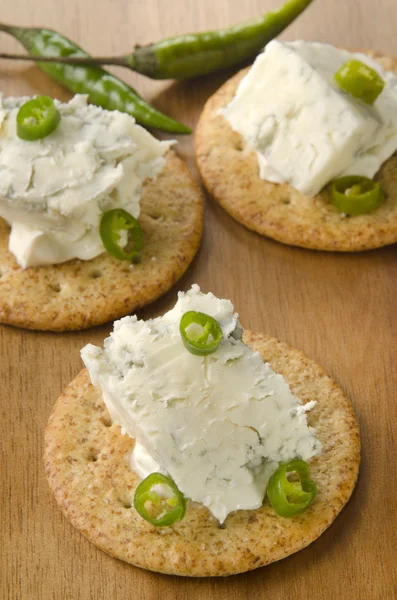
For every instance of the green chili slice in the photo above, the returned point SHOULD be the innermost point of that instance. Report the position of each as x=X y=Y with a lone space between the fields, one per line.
x=289 y=498
x=37 y=118
x=158 y=500
x=355 y=195
x=360 y=81
x=114 y=221
x=200 y=333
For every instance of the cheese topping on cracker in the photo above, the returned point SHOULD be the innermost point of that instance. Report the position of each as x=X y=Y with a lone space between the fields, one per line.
x=219 y=424
x=54 y=191
x=305 y=129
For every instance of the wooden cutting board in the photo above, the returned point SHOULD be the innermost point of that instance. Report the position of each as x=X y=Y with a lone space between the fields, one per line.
x=339 y=309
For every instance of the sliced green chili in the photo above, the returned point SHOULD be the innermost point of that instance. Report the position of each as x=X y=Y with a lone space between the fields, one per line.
x=201 y=334
x=162 y=506
x=356 y=195
x=37 y=118
x=360 y=81
x=289 y=498
x=114 y=221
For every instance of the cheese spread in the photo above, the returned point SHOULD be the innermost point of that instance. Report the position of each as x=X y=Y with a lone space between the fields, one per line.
x=218 y=425
x=306 y=130
x=53 y=191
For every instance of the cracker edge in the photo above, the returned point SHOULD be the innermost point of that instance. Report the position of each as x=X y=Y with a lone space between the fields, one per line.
x=271 y=231
x=256 y=342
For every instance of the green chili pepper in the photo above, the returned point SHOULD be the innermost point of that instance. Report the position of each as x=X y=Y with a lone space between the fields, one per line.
x=360 y=81
x=37 y=118
x=164 y=506
x=355 y=195
x=201 y=334
x=187 y=56
x=114 y=221
x=103 y=88
x=289 y=498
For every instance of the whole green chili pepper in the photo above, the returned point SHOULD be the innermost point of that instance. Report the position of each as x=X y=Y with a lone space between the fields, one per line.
x=187 y=56
x=103 y=88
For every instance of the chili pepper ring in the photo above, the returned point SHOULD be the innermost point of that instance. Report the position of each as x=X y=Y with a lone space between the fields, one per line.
x=355 y=195
x=37 y=118
x=289 y=498
x=114 y=221
x=360 y=81
x=165 y=509
x=201 y=333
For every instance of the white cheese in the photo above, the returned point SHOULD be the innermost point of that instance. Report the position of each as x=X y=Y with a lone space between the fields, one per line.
x=218 y=425
x=305 y=130
x=53 y=191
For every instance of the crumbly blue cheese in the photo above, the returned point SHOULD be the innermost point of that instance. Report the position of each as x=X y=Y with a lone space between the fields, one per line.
x=305 y=129
x=218 y=425
x=53 y=191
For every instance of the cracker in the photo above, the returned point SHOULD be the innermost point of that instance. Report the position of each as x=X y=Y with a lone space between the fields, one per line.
x=86 y=461
x=230 y=173
x=80 y=294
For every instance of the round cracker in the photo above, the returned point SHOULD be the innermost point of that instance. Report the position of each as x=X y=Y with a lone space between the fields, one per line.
x=86 y=461
x=80 y=294
x=231 y=174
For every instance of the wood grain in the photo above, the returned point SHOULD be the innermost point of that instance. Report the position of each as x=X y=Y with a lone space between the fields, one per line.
x=339 y=309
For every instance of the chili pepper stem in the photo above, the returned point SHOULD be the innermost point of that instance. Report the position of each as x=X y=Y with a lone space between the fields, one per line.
x=119 y=61
x=69 y=60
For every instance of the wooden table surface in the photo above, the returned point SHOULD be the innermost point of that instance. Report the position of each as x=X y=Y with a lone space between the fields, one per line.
x=340 y=309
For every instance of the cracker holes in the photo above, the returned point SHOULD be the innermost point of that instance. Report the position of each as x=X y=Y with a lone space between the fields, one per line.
x=125 y=502
x=55 y=287
x=285 y=201
x=96 y=274
x=93 y=456
x=106 y=421
x=155 y=217
x=238 y=145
